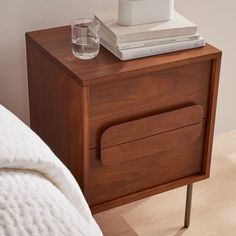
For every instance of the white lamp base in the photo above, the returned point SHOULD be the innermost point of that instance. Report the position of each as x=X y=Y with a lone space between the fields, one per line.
x=135 y=12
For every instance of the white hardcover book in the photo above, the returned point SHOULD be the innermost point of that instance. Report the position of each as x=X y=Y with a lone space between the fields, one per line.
x=134 y=53
x=178 y=26
x=148 y=43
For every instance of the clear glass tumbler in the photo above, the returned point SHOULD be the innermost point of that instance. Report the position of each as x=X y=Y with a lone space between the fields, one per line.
x=85 y=38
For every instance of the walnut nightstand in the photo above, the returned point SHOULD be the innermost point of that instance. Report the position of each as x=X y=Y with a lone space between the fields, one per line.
x=126 y=130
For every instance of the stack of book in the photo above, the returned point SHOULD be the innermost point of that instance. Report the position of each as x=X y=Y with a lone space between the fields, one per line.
x=130 y=42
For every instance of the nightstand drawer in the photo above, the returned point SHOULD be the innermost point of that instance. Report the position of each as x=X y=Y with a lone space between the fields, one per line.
x=141 y=154
x=148 y=94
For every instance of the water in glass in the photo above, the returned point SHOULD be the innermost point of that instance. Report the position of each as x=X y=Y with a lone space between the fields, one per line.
x=85 y=47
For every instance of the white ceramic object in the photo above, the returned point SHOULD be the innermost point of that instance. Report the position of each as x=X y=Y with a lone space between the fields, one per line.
x=135 y=12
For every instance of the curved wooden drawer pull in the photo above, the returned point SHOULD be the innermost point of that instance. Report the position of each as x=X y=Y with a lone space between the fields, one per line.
x=147 y=136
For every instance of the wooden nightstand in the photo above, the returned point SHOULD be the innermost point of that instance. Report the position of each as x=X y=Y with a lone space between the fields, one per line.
x=126 y=130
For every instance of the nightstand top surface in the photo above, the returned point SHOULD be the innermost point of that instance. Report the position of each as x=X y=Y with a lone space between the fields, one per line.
x=56 y=44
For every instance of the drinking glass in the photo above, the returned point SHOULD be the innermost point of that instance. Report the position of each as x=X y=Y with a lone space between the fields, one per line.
x=85 y=38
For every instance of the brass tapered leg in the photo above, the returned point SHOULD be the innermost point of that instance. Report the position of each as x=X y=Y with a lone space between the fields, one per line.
x=188 y=205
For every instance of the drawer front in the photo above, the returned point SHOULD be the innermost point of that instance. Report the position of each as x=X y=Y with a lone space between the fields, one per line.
x=163 y=163
x=132 y=98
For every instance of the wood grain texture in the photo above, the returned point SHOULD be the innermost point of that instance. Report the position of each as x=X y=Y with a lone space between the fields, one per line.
x=85 y=141
x=34 y=84
x=58 y=112
x=56 y=44
x=151 y=125
x=115 y=181
x=215 y=76
x=147 y=193
x=151 y=145
x=137 y=97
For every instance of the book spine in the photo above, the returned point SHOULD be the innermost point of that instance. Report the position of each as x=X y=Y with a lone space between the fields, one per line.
x=160 y=49
x=105 y=30
x=149 y=43
x=113 y=50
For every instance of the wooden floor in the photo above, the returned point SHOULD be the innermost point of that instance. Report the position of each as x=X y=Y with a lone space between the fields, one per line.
x=213 y=210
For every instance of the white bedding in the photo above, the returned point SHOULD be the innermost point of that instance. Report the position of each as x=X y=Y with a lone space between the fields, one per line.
x=38 y=194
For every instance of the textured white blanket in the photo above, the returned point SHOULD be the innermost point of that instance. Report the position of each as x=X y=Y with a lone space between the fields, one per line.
x=38 y=194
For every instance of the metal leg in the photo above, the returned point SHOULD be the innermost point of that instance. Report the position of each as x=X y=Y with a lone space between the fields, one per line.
x=188 y=205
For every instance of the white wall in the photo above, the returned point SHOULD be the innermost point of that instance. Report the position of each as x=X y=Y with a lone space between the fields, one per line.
x=217 y=23
x=214 y=17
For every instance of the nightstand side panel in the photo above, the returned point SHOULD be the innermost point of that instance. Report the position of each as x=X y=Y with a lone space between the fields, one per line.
x=58 y=111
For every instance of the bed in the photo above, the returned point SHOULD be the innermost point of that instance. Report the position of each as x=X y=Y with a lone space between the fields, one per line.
x=38 y=194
